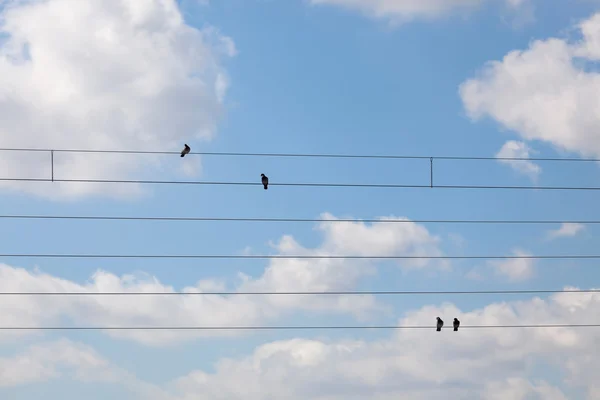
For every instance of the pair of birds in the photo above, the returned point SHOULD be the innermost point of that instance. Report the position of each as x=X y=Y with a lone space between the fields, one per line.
x=264 y=178
x=440 y=323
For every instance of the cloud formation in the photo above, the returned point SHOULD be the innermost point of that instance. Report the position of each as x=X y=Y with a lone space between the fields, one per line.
x=547 y=92
x=473 y=363
x=342 y=238
x=489 y=364
x=517 y=149
x=515 y=269
x=406 y=10
x=49 y=361
x=566 y=230
x=64 y=359
x=104 y=74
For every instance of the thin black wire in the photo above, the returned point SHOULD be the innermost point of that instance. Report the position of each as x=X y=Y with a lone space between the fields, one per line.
x=306 y=155
x=337 y=293
x=224 y=219
x=348 y=185
x=277 y=256
x=279 y=328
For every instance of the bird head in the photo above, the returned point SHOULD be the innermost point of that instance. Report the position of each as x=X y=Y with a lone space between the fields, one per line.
x=263 y=175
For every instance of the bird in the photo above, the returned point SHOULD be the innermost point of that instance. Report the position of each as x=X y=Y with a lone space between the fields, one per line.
x=456 y=324
x=265 y=181
x=185 y=151
x=440 y=323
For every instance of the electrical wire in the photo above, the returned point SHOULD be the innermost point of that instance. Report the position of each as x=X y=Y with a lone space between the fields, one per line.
x=336 y=293
x=278 y=256
x=279 y=328
x=304 y=155
x=312 y=220
x=354 y=185
x=300 y=184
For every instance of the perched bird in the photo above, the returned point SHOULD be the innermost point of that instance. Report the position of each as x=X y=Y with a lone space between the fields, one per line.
x=185 y=151
x=456 y=324
x=265 y=181
x=440 y=323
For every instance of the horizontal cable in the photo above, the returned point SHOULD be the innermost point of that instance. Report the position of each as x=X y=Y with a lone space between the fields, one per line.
x=280 y=328
x=338 y=293
x=240 y=219
x=305 y=155
x=278 y=256
x=348 y=185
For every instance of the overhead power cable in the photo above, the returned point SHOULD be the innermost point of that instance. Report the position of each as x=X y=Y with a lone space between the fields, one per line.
x=312 y=220
x=335 y=293
x=279 y=328
x=279 y=256
x=303 y=155
x=305 y=184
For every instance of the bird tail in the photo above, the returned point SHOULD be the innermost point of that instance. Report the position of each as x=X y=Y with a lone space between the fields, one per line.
x=438 y=329
x=266 y=186
x=455 y=328
x=182 y=155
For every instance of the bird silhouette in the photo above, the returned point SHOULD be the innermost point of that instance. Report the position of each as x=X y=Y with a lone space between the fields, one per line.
x=185 y=150
x=456 y=324
x=265 y=181
x=440 y=323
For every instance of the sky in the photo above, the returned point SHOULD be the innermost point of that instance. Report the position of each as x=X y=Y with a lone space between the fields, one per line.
x=493 y=78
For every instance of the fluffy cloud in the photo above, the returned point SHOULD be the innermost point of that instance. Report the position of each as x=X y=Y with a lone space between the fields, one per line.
x=515 y=269
x=104 y=74
x=350 y=239
x=405 y=10
x=522 y=389
x=516 y=149
x=65 y=359
x=547 y=92
x=48 y=361
x=566 y=230
x=486 y=364
x=345 y=238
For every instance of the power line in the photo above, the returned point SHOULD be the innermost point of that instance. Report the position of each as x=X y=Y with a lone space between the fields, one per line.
x=278 y=256
x=318 y=220
x=304 y=155
x=302 y=184
x=279 y=328
x=336 y=293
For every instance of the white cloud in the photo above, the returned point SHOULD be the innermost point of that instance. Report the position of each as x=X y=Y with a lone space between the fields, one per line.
x=489 y=364
x=344 y=238
x=349 y=239
x=516 y=3
x=515 y=269
x=478 y=363
x=547 y=92
x=522 y=389
x=41 y=363
x=566 y=230
x=516 y=149
x=65 y=359
x=406 y=10
x=104 y=74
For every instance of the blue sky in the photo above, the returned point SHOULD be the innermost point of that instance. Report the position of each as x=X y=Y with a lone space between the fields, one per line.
x=304 y=78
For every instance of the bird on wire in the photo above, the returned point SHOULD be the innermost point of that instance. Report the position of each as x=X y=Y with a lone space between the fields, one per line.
x=456 y=324
x=185 y=150
x=440 y=323
x=265 y=181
